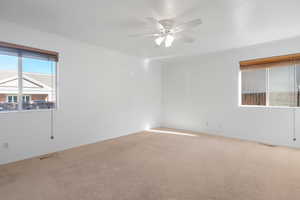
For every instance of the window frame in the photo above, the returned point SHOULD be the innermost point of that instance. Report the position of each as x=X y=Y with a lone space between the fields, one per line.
x=274 y=59
x=20 y=49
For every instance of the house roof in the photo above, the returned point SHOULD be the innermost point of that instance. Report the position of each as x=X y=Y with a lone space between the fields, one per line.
x=38 y=78
x=7 y=74
x=45 y=79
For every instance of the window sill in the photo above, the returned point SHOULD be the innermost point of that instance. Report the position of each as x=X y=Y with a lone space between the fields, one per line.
x=28 y=111
x=268 y=107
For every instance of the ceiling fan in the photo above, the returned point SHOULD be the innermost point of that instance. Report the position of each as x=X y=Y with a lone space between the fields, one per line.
x=168 y=31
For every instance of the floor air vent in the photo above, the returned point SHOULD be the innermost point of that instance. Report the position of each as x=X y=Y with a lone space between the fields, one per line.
x=48 y=156
x=268 y=145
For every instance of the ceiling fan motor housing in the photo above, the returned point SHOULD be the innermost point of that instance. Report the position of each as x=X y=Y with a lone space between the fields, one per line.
x=168 y=24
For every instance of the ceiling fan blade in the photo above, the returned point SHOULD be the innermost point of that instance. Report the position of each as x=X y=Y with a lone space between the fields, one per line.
x=160 y=40
x=188 y=25
x=155 y=22
x=145 y=35
x=186 y=38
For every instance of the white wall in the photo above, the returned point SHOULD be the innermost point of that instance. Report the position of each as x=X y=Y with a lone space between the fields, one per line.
x=201 y=93
x=102 y=94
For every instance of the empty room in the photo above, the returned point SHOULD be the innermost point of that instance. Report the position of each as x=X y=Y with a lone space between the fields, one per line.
x=149 y=100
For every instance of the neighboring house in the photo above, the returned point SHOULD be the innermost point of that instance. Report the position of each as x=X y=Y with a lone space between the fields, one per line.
x=36 y=87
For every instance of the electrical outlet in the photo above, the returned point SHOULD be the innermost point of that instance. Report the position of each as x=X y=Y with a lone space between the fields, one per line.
x=206 y=124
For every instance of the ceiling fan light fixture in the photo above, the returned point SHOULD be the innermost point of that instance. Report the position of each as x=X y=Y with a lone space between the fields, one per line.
x=169 y=41
x=159 y=40
x=167 y=29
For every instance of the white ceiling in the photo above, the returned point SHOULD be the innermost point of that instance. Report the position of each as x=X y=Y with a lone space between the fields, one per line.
x=226 y=23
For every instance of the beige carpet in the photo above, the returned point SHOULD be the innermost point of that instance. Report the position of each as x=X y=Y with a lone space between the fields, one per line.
x=154 y=166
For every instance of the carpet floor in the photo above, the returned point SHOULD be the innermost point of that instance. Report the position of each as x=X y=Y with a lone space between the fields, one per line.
x=158 y=166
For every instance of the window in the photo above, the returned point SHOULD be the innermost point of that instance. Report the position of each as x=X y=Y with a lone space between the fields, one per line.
x=271 y=81
x=12 y=99
x=26 y=99
x=27 y=78
x=254 y=87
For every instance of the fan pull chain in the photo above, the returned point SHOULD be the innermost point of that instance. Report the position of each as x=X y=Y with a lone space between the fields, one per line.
x=52 y=109
x=294 y=125
x=294 y=109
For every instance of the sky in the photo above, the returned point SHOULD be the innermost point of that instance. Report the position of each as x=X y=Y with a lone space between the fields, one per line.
x=29 y=65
